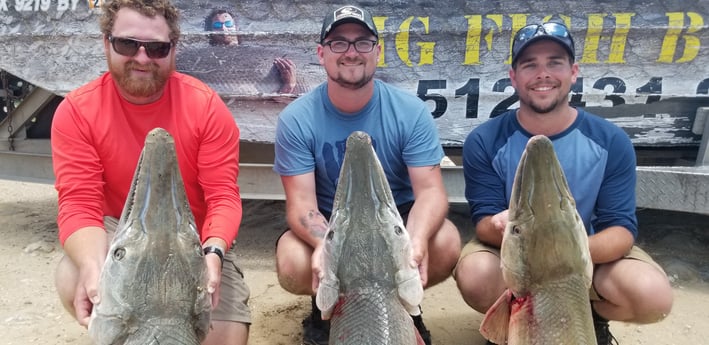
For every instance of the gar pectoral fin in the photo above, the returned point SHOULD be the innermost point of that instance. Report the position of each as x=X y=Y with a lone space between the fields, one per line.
x=410 y=290
x=329 y=288
x=495 y=325
x=327 y=296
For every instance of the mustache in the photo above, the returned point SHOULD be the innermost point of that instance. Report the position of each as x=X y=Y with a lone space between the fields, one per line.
x=545 y=83
x=133 y=65
x=351 y=59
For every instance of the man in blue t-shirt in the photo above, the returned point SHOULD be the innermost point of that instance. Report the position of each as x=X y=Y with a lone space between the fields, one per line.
x=598 y=160
x=310 y=146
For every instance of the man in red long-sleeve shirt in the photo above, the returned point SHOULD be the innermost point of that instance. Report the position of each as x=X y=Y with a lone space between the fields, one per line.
x=98 y=133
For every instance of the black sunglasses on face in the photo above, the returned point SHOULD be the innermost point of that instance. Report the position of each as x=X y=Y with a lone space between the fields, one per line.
x=528 y=32
x=129 y=47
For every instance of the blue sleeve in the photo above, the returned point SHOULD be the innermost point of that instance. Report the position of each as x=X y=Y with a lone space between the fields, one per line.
x=293 y=152
x=616 y=198
x=424 y=147
x=405 y=127
x=484 y=187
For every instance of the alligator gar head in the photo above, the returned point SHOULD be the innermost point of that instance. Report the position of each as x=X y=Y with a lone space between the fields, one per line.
x=153 y=283
x=545 y=259
x=368 y=285
x=544 y=226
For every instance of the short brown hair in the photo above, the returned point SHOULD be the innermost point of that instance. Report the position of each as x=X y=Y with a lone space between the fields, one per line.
x=149 y=8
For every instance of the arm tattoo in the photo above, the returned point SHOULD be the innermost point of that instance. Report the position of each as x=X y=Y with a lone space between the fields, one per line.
x=315 y=222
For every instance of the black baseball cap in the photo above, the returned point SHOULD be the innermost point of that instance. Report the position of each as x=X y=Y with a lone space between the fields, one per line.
x=530 y=34
x=347 y=14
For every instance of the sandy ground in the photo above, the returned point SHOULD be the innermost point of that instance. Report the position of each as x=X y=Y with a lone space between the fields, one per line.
x=30 y=313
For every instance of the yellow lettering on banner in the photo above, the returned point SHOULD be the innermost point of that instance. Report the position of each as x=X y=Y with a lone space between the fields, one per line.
x=380 y=24
x=473 y=40
x=675 y=26
x=692 y=42
x=426 y=47
x=669 y=43
x=593 y=37
x=401 y=43
x=497 y=18
x=518 y=21
x=620 y=37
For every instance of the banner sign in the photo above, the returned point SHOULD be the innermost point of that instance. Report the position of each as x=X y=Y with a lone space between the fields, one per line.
x=643 y=64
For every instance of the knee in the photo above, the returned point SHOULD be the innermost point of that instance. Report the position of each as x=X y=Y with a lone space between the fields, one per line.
x=285 y=253
x=479 y=280
x=447 y=245
x=643 y=293
x=293 y=265
x=291 y=279
x=284 y=266
x=444 y=251
x=470 y=271
x=653 y=298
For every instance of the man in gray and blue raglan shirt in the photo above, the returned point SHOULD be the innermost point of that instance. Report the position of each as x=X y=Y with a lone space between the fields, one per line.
x=598 y=160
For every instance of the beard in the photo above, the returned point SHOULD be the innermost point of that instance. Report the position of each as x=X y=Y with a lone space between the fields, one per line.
x=140 y=87
x=544 y=106
x=543 y=109
x=351 y=81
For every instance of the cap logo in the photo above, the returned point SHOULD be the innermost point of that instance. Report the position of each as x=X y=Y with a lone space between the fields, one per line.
x=349 y=12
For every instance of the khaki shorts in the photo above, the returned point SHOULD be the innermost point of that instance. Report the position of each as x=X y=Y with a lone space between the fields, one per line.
x=233 y=292
x=636 y=253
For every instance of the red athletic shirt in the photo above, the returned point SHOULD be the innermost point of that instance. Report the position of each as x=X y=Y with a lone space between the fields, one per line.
x=97 y=138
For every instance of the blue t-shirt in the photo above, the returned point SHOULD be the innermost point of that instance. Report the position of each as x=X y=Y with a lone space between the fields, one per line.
x=311 y=135
x=597 y=157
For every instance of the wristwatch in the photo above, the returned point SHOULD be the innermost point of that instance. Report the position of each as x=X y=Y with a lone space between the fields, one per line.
x=215 y=250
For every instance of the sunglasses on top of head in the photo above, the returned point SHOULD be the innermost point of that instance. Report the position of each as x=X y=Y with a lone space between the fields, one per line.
x=528 y=32
x=129 y=47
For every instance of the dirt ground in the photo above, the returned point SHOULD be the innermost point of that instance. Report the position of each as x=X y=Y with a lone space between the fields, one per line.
x=30 y=312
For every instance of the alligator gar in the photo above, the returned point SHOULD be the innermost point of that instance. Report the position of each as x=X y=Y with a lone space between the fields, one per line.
x=545 y=260
x=153 y=283
x=369 y=288
x=246 y=70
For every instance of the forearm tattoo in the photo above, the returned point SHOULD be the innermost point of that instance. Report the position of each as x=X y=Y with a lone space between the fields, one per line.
x=315 y=222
